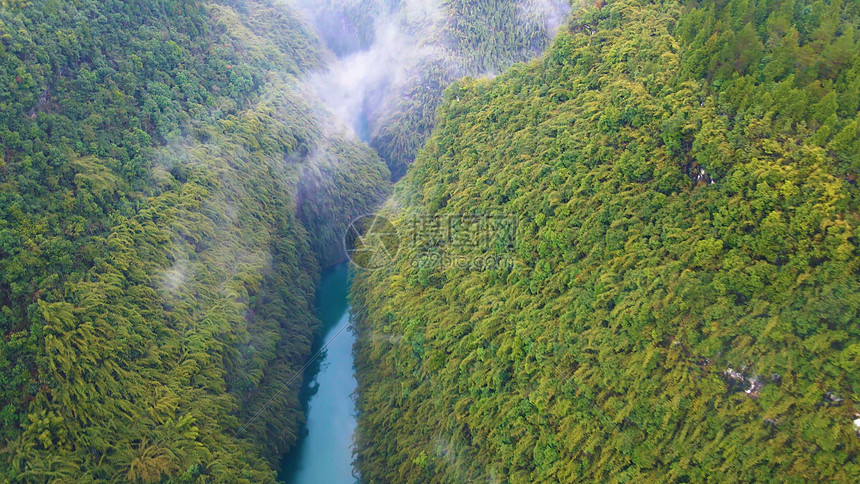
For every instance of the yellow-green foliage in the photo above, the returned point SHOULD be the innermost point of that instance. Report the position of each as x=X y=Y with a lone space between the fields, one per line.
x=156 y=271
x=686 y=297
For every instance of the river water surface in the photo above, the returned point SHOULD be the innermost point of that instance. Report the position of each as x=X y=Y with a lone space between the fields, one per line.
x=324 y=453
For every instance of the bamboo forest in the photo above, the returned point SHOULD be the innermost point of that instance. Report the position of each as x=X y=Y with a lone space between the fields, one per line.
x=429 y=241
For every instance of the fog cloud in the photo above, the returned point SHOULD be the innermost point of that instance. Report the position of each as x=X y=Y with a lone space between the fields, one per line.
x=550 y=13
x=382 y=45
x=356 y=85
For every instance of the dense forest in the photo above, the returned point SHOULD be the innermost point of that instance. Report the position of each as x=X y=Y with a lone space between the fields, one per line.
x=660 y=282
x=168 y=193
x=684 y=294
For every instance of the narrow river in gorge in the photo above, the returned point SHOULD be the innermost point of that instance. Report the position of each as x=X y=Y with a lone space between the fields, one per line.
x=324 y=453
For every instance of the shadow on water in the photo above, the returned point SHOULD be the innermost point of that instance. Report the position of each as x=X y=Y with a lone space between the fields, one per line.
x=323 y=453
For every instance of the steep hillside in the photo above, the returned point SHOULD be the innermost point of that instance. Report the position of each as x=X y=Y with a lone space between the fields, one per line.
x=683 y=296
x=162 y=201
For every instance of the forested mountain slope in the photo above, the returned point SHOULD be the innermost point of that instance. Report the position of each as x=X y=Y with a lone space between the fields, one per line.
x=167 y=195
x=684 y=304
